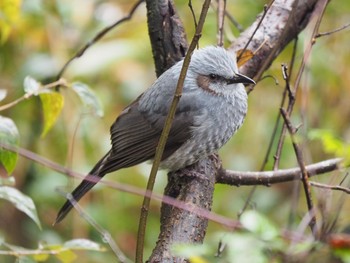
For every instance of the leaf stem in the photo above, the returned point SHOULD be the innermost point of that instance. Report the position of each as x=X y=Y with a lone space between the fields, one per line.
x=60 y=82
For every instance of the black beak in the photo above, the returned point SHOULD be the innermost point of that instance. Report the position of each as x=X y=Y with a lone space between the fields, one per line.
x=239 y=78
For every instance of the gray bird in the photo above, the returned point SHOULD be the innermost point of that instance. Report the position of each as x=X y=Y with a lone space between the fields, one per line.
x=212 y=107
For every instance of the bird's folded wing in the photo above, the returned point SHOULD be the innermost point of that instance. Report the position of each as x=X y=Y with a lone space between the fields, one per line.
x=135 y=136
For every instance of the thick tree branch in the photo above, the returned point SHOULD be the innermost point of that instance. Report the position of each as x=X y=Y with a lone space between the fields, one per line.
x=167 y=126
x=178 y=225
x=273 y=177
x=180 y=187
x=168 y=37
x=284 y=20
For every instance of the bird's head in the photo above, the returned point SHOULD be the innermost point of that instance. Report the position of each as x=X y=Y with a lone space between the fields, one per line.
x=215 y=71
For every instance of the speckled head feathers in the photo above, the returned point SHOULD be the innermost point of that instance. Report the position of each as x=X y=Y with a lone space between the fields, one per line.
x=214 y=60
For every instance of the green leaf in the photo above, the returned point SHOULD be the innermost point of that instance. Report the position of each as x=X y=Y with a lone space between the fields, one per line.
x=23 y=259
x=331 y=144
x=66 y=256
x=88 y=98
x=259 y=224
x=8 y=135
x=31 y=85
x=52 y=103
x=20 y=201
x=40 y=257
x=343 y=254
x=83 y=244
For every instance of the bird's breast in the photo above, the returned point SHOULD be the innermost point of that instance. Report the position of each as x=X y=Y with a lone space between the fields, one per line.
x=214 y=124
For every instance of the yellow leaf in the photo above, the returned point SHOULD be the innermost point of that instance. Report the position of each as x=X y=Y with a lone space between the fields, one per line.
x=52 y=103
x=66 y=256
x=197 y=259
x=41 y=257
x=243 y=57
x=9 y=15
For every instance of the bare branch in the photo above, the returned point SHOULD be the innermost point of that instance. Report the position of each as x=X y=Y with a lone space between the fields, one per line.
x=234 y=21
x=266 y=8
x=305 y=176
x=193 y=14
x=333 y=31
x=60 y=82
x=331 y=187
x=291 y=96
x=319 y=11
x=282 y=23
x=104 y=234
x=274 y=177
x=221 y=19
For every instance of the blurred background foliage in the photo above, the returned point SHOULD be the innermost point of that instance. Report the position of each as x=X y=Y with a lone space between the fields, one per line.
x=38 y=37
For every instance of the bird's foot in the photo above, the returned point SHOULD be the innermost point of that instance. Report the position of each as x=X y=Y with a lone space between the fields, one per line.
x=190 y=172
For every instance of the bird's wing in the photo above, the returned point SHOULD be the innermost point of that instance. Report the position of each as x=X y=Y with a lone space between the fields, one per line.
x=135 y=136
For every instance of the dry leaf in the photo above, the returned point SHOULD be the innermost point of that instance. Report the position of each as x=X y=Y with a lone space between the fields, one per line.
x=243 y=57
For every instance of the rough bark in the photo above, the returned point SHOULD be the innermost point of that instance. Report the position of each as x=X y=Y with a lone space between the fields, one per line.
x=274 y=177
x=168 y=38
x=178 y=225
x=283 y=22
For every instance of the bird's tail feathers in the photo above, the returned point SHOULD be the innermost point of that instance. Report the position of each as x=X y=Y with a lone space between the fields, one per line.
x=90 y=180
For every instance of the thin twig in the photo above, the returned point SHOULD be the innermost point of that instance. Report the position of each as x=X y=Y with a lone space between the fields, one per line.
x=320 y=11
x=98 y=37
x=194 y=17
x=331 y=187
x=287 y=78
x=291 y=96
x=272 y=77
x=229 y=17
x=193 y=14
x=269 y=148
x=165 y=133
x=266 y=8
x=15 y=102
x=287 y=87
x=234 y=21
x=60 y=82
x=221 y=19
x=105 y=235
x=305 y=176
x=277 y=46
x=332 y=31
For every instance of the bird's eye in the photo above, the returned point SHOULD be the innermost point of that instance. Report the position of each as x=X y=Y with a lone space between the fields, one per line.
x=213 y=76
